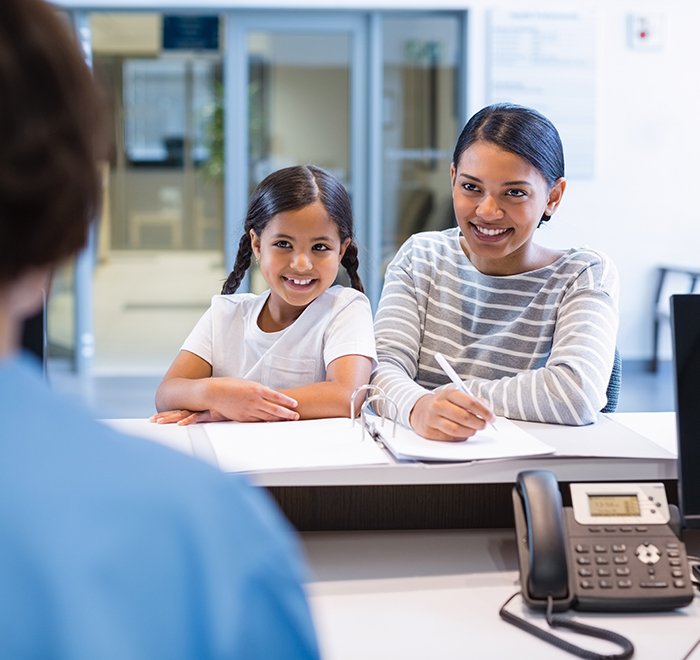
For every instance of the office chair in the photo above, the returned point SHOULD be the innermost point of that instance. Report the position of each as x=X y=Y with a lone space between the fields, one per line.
x=614 y=384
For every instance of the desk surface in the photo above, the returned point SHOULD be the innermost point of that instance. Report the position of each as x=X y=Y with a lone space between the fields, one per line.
x=436 y=594
x=623 y=446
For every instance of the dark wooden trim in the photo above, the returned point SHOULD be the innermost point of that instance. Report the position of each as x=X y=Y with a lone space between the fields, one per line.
x=432 y=506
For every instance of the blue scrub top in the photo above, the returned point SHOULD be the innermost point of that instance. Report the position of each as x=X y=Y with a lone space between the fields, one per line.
x=115 y=547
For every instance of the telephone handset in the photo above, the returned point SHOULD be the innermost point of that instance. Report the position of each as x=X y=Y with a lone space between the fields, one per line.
x=612 y=551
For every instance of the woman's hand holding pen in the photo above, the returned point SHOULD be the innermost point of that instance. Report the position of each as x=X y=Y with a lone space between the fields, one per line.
x=449 y=414
x=235 y=399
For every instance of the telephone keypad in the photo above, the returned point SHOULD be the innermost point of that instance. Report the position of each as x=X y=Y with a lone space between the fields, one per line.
x=647 y=553
x=624 y=584
x=619 y=547
x=629 y=562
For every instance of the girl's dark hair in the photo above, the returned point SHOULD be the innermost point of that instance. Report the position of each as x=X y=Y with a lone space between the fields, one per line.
x=520 y=130
x=289 y=189
x=51 y=137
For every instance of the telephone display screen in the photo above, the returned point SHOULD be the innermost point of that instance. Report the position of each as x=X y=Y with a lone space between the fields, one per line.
x=614 y=505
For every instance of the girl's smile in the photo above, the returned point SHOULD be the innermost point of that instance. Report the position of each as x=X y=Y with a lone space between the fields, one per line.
x=299 y=253
x=298 y=283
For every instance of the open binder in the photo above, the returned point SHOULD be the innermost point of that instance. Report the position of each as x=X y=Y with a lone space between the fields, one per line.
x=502 y=441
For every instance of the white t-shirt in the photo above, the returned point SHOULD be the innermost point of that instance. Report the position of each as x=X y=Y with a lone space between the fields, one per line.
x=339 y=322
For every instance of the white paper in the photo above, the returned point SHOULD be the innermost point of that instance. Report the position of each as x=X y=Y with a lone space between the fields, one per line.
x=329 y=443
x=252 y=447
x=506 y=441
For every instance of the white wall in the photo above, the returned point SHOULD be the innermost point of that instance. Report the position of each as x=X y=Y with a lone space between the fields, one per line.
x=639 y=207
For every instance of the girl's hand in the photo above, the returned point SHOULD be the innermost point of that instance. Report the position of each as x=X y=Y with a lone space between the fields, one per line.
x=235 y=399
x=170 y=416
x=201 y=417
x=186 y=417
x=246 y=401
x=449 y=414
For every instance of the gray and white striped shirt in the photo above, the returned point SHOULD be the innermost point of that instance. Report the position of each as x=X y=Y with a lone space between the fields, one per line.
x=538 y=346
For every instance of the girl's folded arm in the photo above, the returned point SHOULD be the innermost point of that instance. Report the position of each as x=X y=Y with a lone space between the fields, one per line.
x=188 y=386
x=183 y=386
x=331 y=398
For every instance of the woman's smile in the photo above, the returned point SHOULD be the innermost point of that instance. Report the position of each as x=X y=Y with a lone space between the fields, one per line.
x=490 y=234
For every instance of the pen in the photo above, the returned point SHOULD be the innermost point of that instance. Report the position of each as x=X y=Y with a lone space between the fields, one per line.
x=455 y=378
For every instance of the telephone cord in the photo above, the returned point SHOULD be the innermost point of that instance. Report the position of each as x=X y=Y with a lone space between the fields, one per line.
x=578 y=627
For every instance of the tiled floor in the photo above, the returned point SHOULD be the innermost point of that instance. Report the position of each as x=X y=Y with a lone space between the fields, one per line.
x=132 y=396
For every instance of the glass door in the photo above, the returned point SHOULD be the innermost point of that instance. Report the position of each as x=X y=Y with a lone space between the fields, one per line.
x=422 y=115
x=156 y=256
x=295 y=90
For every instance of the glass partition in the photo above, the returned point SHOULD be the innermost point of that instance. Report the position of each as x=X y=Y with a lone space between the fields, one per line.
x=421 y=63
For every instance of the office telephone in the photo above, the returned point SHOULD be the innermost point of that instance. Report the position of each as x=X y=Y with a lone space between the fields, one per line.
x=613 y=550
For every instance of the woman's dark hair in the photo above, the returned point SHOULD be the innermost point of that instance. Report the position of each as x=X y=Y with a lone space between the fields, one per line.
x=49 y=131
x=289 y=189
x=520 y=130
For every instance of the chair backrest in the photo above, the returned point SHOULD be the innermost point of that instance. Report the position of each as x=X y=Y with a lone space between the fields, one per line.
x=614 y=384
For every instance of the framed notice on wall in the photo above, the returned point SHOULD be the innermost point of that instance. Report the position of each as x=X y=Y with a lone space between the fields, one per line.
x=546 y=60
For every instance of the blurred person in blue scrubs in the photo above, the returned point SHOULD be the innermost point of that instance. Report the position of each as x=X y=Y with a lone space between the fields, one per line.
x=110 y=547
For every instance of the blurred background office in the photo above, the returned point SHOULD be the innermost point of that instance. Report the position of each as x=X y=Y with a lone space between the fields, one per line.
x=205 y=99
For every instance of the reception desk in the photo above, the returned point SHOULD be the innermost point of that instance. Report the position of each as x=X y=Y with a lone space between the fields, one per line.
x=410 y=561
x=420 y=495
x=413 y=595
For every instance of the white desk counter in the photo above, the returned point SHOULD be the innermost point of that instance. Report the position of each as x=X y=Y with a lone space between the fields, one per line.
x=436 y=594
x=642 y=439
x=619 y=446
x=645 y=440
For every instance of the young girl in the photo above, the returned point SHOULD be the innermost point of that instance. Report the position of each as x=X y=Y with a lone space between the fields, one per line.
x=298 y=350
x=531 y=330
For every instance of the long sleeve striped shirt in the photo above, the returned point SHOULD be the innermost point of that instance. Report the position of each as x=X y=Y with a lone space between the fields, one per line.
x=537 y=346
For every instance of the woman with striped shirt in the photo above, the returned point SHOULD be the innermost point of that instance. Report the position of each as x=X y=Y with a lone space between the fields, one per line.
x=530 y=329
